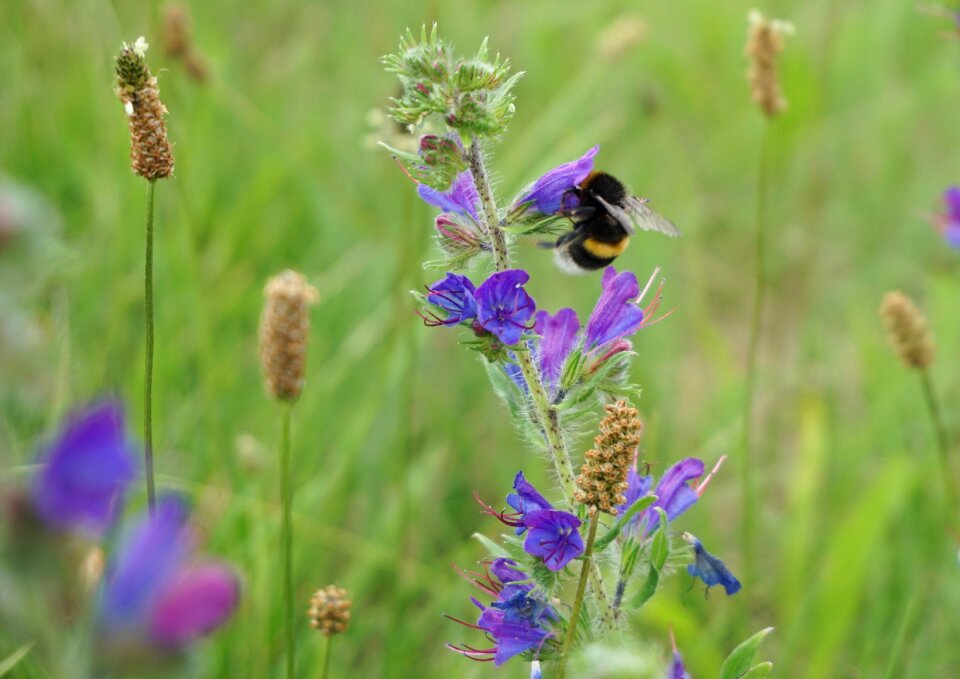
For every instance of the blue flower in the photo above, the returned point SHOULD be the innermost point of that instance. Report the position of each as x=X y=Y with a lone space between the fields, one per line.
x=553 y=537
x=677 y=670
x=85 y=471
x=525 y=499
x=454 y=294
x=154 y=596
x=519 y=620
x=462 y=197
x=674 y=494
x=503 y=307
x=551 y=193
x=616 y=314
x=709 y=568
x=949 y=222
x=558 y=337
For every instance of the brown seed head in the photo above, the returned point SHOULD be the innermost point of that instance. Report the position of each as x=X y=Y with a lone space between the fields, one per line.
x=150 y=153
x=284 y=328
x=603 y=477
x=764 y=43
x=907 y=330
x=329 y=610
x=178 y=40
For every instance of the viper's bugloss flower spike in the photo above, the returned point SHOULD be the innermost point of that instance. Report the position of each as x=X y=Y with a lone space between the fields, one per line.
x=284 y=330
x=674 y=494
x=765 y=41
x=329 y=610
x=151 y=155
x=504 y=307
x=709 y=568
x=907 y=330
x=85 y=471
x=603 y=476
x=155 y=596
x=552 y=192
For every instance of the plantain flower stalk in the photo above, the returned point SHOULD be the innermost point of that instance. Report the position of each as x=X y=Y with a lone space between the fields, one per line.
x=151 y=157
x=284 y=329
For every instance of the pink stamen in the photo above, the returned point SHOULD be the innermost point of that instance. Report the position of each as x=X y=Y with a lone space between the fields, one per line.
x=703 y=484
x=404 y=170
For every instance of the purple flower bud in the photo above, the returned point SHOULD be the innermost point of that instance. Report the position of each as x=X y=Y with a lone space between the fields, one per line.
x=454 y=294
x=674 y=494
x=503 y=306
x=558 y=337
x=615 y=315
x=547 y=194
x=525 y=499
x=462 y=198
x=86 y=471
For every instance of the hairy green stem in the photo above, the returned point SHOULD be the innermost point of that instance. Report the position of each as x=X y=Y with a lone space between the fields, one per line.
x=943 y=448
x=585 y=569
x=148 y=361
x=286 y=500
x=746 y=461
x=547 y=415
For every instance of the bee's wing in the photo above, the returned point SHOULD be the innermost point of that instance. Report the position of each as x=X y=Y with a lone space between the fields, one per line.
x=646 y=219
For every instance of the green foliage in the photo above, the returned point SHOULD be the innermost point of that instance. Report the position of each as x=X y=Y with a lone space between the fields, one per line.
x=740 y=660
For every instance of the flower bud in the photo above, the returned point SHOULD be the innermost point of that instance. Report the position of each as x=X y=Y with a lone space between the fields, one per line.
x=284 y=329
x=907 y=330
x=329 y=610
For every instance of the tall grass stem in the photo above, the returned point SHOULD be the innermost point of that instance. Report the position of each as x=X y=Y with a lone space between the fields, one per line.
x=760 y=289
x=943 y=450
x=148 y=361
x=286 y=500
x=326 y=656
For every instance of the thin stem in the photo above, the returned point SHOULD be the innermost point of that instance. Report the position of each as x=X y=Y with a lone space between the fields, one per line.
x=326 y=657
x=943 y=448
x=286 y=499
x=547 y=415
x=746 y=462
x=148 y=362
x=578 y=601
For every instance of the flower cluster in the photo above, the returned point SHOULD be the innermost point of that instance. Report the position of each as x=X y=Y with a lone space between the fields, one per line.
x=518 y=621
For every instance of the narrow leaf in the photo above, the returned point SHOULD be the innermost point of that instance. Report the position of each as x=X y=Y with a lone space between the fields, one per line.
x=611 y=535
x=738 y=662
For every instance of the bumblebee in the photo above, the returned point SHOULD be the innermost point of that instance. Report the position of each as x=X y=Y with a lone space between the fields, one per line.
x=603 y=221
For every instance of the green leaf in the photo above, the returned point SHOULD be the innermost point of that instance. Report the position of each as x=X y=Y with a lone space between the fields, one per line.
x=491 y=546
x=761 y=670
x=738 y=662
x=660 y=548
x=649 y=588
x=611 y=535
x=12 y=660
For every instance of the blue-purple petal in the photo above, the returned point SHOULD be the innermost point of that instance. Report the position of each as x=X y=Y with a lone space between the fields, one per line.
x=951 y=197
x=553 y=536
x=548 y=192
x=674 y=495
x=198 y=601
x=711 y=570
x=616 y=314
x=85 y=471
x=454 y=294
x=677 y=670
x=504 y=308
x=558 y=337
x=462 y=198
x=506 y=570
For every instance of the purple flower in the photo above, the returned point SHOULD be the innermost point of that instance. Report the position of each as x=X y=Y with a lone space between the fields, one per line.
x=454 y=294
x=503 y=306
x=616 y=314
x=547 y=195
x=949 y=222
x=674 y=494
x=677 y=670
x=86 y=471
x=462 y=197
x=558 y=336
x=553 y=537
x=518 y=620
x=709 y=568
x=154 y=595
x=524 y=500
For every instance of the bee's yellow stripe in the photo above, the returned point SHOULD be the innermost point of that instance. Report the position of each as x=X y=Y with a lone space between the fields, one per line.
x=605 y=250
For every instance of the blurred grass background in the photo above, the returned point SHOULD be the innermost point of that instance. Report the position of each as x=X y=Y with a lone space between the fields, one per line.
x=397 y=425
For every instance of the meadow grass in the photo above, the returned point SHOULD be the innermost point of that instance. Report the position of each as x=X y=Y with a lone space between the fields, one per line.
x=394 y=429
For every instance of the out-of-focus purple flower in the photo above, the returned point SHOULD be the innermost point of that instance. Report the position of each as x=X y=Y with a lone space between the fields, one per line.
x=462 y=197
x=553 y=537
x=709 y=568
x=503 y=306
x=558 y=336
x=518 y=620
x=547 y=195
x=154 y=595
x=674 y=494
x=676 y=669
x=86 y=471
x=949 y=222
x=454 y=294
x=616 y=313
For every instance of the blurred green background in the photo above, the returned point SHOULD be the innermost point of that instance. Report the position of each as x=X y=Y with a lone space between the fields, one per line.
x=397 y=425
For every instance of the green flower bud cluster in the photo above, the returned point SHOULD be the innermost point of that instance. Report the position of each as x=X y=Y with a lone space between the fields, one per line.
x=471 y=96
